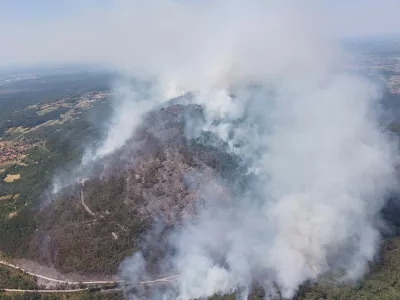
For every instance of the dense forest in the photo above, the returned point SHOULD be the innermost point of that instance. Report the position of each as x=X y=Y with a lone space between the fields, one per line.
x=96 y=244
x=30 y=118
x=63 y=149
x=14 y=279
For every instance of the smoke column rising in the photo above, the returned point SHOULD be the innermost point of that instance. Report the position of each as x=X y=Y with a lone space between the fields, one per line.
x=311 y=135
x=324 y=167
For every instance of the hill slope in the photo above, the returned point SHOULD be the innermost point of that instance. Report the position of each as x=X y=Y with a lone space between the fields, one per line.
x=155 y=175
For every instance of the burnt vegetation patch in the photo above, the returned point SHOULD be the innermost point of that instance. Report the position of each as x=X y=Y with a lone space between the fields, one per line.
x=143 y=183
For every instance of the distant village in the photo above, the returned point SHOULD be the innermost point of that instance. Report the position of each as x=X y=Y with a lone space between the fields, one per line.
x=384 y=64
x=11 y=151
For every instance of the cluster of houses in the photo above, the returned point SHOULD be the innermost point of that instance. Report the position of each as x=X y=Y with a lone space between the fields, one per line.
x=395 y=90
x=8 y=153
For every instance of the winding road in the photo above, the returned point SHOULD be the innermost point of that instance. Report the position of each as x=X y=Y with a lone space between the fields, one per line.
x=67 y=282
x=2 y=262
x=99 y=282
x=43 y=291
x=87 y=208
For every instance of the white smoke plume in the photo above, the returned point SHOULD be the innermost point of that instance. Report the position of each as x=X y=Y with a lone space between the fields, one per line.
x=272 y=86
x=130 y=103
x=325 y=168
x=310 y=133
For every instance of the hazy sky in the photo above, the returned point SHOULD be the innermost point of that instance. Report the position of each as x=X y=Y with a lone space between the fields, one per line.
x=344 y=17
x=31 y=28
x=362 y=17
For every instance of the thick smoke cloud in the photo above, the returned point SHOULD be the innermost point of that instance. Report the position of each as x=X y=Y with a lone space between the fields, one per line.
x=273 y=87
x=324 y=168
x=307 y=130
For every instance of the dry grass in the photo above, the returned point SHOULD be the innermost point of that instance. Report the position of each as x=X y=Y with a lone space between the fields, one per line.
x=13 y=214
x=46 y=110
x=11 y=178
x=21 y=129
x=69 y=115
x=84 y=103
x=2 y=171
x=18 y=129
x=8 y=164
x=47 y=123
x=8 y=197
x=3 y=143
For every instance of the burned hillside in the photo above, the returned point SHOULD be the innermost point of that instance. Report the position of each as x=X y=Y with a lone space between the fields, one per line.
x=158 y=177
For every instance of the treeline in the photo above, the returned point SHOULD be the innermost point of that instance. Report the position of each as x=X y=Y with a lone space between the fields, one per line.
x=84 y=243
x=87 y=295
x=256 y=294
x=49 y=88
x=14 y=279
x=63 y=149
x=30 y=118
x=382 y=282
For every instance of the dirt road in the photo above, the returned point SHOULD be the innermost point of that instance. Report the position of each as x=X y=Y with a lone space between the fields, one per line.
x=43 y=291
x=96 y=282
x=68 y=282
x=165 y=279
x=87 y=208
x=59 y=280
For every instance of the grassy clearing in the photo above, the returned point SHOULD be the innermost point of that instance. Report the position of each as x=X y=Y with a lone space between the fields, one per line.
x=13 y=214
x=8 y=164
x=4 y=143
x=11 y=178
x=15 y=279
x=7 y=197
x=19 y=129
x=46 y=110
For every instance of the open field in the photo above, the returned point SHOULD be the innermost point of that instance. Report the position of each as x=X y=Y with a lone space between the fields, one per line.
x=46 y=110
x=19 y=129
x=7 y=197
x=13 y=214
x=11 y=178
